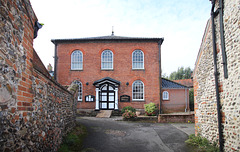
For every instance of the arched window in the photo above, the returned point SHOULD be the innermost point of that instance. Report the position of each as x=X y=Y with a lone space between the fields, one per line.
x=79 y=90
x=107 y=60
x=165 y=95
x=77 y=60
x=138 y=90
x=138 y=59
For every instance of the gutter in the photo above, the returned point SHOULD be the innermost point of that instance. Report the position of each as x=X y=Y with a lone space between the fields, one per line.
x=213 y=14
x=160 y=74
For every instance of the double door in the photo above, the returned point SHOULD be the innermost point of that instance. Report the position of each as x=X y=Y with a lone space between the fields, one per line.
x=107 y=97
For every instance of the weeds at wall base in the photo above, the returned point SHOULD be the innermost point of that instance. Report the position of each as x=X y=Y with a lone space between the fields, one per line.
x=201 y=144
x=74 y=140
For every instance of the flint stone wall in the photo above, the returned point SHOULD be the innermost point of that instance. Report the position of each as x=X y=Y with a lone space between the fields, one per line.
x=206 y=123
x=35 y=111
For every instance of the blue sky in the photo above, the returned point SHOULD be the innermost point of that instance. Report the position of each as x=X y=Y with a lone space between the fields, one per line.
x=180 y=22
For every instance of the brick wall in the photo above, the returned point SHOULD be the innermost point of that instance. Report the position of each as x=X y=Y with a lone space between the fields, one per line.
x=204 y=85
x=176 y=118
x=177 y=101
x=35 y=111
x=122 y=69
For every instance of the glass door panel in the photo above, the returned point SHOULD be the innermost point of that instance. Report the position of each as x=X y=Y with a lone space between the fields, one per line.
x=107 y=97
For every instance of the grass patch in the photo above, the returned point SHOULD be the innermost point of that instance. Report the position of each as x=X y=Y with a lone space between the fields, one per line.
x=74 y=140
x=201 y=144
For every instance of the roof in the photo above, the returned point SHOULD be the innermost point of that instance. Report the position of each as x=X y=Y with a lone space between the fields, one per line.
x=106 y=79
x=107 y=38
x=186 y=82
x=166 y=84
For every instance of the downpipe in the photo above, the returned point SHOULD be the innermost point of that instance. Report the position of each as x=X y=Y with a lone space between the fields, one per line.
x=224 y=57
x=216 y=79
x=186 y=98
x=160 y=74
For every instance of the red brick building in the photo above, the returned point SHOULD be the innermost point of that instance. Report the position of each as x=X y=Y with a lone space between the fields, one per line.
x=175 y=97
x=112 y=71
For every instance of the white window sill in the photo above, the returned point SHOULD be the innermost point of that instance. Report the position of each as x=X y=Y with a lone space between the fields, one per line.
x=138 y=100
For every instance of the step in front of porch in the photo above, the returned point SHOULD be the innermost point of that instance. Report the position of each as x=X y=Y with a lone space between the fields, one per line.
x=104 y=114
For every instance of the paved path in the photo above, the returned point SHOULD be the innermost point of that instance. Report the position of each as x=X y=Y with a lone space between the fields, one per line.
x=109 y=135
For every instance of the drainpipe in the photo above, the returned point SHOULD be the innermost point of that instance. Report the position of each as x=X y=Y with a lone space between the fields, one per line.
x=160 y=74
x=224 y=57
x=186 y=99
x=216 y=78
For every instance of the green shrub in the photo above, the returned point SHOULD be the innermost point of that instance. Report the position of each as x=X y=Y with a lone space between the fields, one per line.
x=150 y=109
x=128 y=108
x=202 y=144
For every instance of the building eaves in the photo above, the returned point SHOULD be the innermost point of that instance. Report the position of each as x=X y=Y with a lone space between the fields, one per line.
x=106 y=38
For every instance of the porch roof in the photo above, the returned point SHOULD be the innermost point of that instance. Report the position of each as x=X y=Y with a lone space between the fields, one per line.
x=106 y=79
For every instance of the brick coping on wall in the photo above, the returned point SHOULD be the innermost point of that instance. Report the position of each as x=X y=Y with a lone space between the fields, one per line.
x=176 y=118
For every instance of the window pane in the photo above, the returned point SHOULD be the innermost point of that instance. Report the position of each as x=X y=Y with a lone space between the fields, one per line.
x=111 y=98
x=79 y=90
x=165 y=95
x=107 y=59
x=111 y=105
x=104 y=98
x=138 y=90
x=137 y=59
x=104 y=105
x=111 y=88
x=104 y=88
x=76 y=60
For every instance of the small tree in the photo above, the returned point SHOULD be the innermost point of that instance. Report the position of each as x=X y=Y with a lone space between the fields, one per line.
x=181 y=73
x=191 y=99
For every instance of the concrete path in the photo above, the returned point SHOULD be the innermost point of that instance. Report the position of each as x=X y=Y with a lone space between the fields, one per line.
x=188 y=128
x=109 y=135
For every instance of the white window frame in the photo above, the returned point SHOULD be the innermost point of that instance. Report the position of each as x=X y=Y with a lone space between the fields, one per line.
x=77 y=55
x=133 y=85
x=165 y=95
x=133 y=56
x=106 y=68
x=80 y=90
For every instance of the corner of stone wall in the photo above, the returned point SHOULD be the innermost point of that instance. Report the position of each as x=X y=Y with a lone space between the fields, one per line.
x=35 y=111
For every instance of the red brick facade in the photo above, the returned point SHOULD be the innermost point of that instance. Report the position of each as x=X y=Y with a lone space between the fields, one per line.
x=178 y=100
x=122 y=67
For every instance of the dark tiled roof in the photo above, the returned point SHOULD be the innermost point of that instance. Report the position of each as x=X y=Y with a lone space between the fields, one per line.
x=171 y=84
x=105 y=38
x=106 y=79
